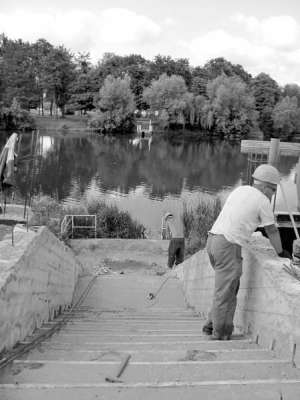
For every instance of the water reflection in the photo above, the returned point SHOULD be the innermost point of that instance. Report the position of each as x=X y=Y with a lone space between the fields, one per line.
x=146 y=177
x=122 y=165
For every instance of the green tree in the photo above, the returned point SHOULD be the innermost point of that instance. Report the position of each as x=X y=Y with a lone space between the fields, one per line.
x=230 y=109
x=17 y=77
x=199 y=107
x=161 y=65
x=168 y=93
x=267 y=93
x=286 y=117
x=83 y=87
x=220 y=66
x=199 y=82
x=15 y=117
x=40 y=50
x=292 y=90
x=169 y=66
x=59 y=73
x=115 y=105
x=135 y=66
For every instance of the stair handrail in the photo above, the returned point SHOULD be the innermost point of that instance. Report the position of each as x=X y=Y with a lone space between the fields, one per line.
x=70 y=220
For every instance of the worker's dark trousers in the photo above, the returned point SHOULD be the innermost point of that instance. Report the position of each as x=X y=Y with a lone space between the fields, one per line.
x=176 y=251
x=225 y=258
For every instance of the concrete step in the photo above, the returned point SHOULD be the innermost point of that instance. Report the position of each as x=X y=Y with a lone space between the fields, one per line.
x=99 y=339
x=98 y=320
x=97 y=317
x=270 y=390
x=131 y=292
x=151 y=355
x=129 y=330
x=149 y=372
x=148 y=310
x=202 y=345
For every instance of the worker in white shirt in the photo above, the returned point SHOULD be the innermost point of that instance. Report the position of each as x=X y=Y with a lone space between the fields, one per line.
x=172 y=229
x=246 y=208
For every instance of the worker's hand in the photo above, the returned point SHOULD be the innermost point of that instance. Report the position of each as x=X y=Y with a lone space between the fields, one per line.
x=285 y=254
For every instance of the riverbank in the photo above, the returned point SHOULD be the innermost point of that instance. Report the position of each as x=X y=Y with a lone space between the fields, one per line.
x=74 y=124
x=70 y=123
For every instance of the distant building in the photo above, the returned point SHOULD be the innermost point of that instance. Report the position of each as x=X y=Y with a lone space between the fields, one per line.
x=144 y=127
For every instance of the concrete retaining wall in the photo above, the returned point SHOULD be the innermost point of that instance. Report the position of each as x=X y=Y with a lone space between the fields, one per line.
x=268 y=300
x=37 y=278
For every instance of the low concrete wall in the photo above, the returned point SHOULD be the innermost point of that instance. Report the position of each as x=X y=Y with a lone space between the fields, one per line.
x=268 y=300
x=37 y=278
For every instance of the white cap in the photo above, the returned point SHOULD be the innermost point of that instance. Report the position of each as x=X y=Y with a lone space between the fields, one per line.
x=267 y=173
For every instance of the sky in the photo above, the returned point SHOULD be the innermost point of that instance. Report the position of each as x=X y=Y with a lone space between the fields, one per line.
x=262 y=36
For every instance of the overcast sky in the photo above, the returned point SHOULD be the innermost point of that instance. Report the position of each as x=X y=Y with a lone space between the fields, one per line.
x=262 y=36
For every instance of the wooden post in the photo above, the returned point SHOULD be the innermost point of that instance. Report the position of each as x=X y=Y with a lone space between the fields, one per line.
x=297 y=181
x=12 y=235
x=274 y=152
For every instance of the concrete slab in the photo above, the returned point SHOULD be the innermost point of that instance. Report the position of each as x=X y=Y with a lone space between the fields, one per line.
x=39 y=355
x=201 y=345
x=238 y=392
x=129 y=292
x=117 y=253
x=149 y=372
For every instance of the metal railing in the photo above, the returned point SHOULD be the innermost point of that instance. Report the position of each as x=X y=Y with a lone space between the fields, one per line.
x=72 y=224
x=254 y=160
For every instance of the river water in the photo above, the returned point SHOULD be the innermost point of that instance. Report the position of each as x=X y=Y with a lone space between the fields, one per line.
x=146 y=178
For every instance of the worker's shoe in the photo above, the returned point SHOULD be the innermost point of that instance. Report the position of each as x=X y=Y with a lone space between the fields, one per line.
x=216 y=337
x=207 y=329
x=220 y=337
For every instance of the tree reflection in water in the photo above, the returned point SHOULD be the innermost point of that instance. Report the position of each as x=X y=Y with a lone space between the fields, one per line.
x=144 y=178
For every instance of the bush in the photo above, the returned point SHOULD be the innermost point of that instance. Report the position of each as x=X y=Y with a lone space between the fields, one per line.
x=15 y=117
x=111 y=223
x=102 y=122
x=198 y=221
x=49 y=212
x=97 y=123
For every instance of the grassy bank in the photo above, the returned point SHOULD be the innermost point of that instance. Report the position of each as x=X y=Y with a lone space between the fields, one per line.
x=198 y=221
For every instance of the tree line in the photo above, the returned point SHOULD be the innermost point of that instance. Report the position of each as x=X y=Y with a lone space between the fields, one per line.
x=219 y=97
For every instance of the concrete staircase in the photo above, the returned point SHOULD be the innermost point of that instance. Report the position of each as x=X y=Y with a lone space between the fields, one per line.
x=170 y=358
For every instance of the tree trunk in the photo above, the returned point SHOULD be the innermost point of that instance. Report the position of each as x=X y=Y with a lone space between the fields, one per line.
x=51 y=107
x=42 y=105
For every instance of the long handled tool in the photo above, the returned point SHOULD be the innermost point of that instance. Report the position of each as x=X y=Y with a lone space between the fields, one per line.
x=289 y=211
x=296 y=243
x=152 y=296
x=123 y=365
